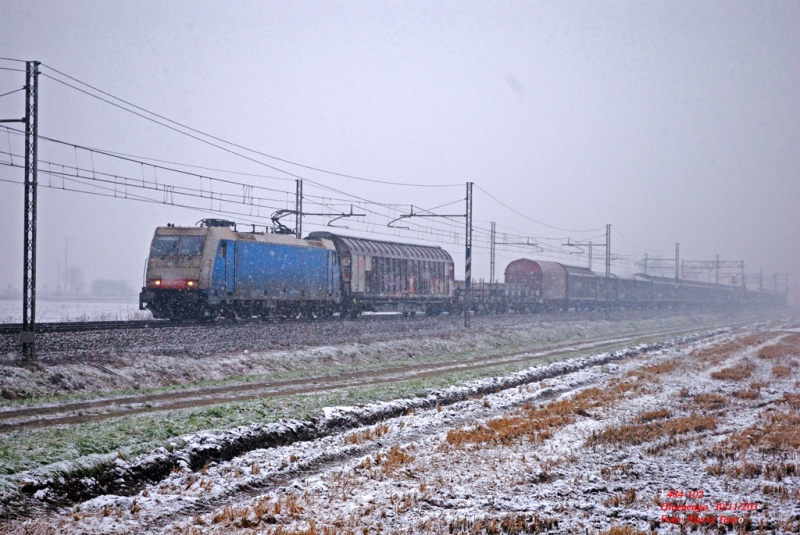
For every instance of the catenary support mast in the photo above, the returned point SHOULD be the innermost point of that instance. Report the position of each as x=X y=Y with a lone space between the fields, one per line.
x=608 y=251
x=677 y=270
x=468 y=259
x=28 y=334
x=298 y=206
x=492 y=254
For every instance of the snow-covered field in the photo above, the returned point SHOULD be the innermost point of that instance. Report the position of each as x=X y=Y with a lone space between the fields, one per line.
x=88 y=310
x=600 y=448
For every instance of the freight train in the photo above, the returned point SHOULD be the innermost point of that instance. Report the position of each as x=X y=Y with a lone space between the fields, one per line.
x=214 y=271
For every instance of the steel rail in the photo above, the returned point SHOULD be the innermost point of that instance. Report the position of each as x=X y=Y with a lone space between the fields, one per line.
x=80 y=326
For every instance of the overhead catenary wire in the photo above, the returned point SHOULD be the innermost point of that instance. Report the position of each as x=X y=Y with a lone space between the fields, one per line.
x=239 y=146
x=441 y=227
x=12 y=92
x=174 y=129
x=147 y=159
x=614 y=229
x=121 y=181
x=97 y=184
x=266 y=155
x=495 y=199
x=134 y=198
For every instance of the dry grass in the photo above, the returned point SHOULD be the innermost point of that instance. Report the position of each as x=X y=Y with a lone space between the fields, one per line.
x=650 y=416
x=710 y=401
x=778 y=491
x=367 y=434
x=623 y=530
x=654 y=369
x=781 y=371
x=715 y=469
x=777 y=472
x=538 y=423
x=717 y=353
x=622 y=469
x=265 y=511
x=777 y=433
x=387 y=463
x=789 y=346
x=745 y=470
x=793 y=400
x=394 y=459
x=625 y=499
x=742 y=371
x=747 y=394
x=634 y=434
x=510 y=524
x=753 y=339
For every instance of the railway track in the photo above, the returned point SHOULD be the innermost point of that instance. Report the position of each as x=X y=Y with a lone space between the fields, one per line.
x=83 y=326
x=78 y=326
x=106 y=408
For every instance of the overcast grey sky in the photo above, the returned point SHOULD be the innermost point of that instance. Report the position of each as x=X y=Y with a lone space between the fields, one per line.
x=672 y=121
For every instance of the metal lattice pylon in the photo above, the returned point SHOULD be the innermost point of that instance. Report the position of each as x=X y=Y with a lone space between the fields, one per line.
x=28 y=334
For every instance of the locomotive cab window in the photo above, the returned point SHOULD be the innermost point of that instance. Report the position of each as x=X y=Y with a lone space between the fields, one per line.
x=165 y=245
x=178 y=245
x=191 y=245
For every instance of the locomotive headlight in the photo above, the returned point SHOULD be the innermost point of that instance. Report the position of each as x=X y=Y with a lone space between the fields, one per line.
x=157 y=282
x=190 y=284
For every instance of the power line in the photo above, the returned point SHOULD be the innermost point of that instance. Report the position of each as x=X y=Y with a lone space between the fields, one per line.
x=131 y=197
x=632 y=242
x=173 y=128
x=142 y=160
x=495 y=199
x=12 y=92
x=148 y=159
x=219 y=196
x=121 y=185
x=131 y=160
x=304 y=166
x=222 y=196
x=253 y=151
x=113 y=193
